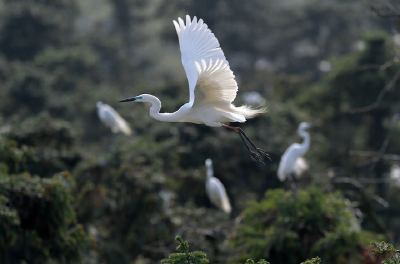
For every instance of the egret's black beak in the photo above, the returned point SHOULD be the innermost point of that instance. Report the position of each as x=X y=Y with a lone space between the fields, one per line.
x=128 y=100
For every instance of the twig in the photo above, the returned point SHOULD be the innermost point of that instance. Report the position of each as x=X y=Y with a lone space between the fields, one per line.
x=365 y=180
x=385 y=142
x=380 y=200
x=393 y=11
x=382 y=93
x=365 y=202
x=360 y=153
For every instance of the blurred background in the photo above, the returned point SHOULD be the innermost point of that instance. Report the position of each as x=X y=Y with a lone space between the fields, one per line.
x=71 y=191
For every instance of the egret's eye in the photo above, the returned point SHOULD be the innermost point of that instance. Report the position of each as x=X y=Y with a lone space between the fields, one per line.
x=138 y=97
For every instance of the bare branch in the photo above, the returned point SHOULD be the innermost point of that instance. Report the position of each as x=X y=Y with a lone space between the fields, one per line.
x=386 y=141
x=390 y=62
x=360 y=153
x=364 y=180
x=380 y=200
x=381 y=94
x=377 y=9
x=365 y=202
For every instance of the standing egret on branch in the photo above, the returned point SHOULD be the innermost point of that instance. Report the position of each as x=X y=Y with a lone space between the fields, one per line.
x=212 y=85
x=110 y=118
x=216 y=190
x=292 y=162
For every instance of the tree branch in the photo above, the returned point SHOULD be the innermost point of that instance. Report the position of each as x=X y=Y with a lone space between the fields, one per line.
x=377 y=9
x=381 y=94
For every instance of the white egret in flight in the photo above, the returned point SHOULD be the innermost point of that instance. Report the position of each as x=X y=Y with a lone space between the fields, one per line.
x=110 y=118
x=216 y=190
x=212 y=85
x=292 y=162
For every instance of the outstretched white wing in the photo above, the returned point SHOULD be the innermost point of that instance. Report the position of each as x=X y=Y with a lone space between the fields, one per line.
x=216 y=83
x=197 y=43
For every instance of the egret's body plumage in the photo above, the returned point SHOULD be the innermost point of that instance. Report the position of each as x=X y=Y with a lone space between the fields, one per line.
x=110 y=118
x=212 y=85
x=292 y=161
x=216 y=190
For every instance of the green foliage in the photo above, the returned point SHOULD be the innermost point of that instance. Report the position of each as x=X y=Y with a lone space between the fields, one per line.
x=9 y=222
x=304 y=226
x=39 y=141
x=37 y=214
x=316 y=260
x=200 y=257
x=28 y=27
x=355 y=82
x=40 y=213
x=386 y=251
x=196 y=257
x=119 y=184
x=250 y=261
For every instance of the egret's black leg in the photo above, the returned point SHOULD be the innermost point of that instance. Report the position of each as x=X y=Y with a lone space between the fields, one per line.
x=257 y=156
x=292 y=184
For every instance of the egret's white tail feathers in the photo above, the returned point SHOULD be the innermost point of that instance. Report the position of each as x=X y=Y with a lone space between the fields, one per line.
x=226 y=205
x=110 y=118
x=281 y=173
x=249 y=112
x=216 y=190
x=123 y=126
x=300 y=167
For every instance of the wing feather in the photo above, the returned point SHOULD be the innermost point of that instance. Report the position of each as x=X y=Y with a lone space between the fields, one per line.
x=216 y=83
x=197 y=43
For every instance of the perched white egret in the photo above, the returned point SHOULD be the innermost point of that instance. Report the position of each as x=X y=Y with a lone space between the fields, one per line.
x=110 y=118
x=212 y=85
x=216 y=190
x=291 y=161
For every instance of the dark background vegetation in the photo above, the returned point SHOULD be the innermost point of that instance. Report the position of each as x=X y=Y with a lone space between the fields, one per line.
x=71 y=191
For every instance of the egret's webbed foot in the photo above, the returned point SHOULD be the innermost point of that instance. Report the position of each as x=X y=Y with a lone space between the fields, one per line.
x=257 y=157
x=263 y=153
x=259 y=154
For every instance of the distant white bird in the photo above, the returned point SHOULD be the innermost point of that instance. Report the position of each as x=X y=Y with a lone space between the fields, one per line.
x=395 y=173
x=253 y=98
x=167 y=197
x=216 y=190
x=212 y=85
x=110 y=118
x=324 y=66
x=291 y=161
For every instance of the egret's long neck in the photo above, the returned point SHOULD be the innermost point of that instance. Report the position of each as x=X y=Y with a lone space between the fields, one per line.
x=155 y=110
x=210 y=172
x=306 y=141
